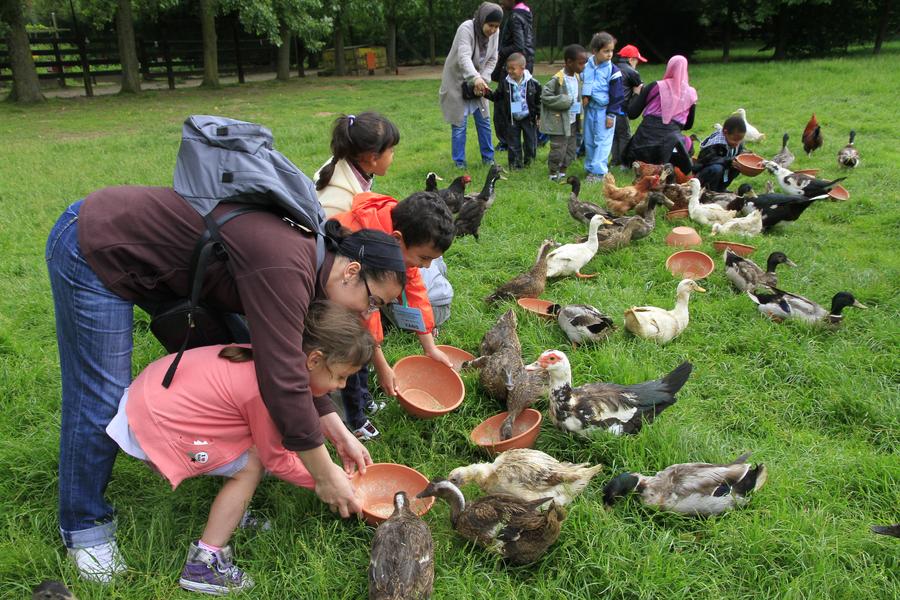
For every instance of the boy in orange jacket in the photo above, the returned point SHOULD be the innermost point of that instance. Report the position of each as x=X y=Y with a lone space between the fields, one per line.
x=423 y=225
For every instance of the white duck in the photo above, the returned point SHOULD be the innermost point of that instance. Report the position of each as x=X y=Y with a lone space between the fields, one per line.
x=569 y=259
x=659 y=324
x=749 y=225
x=753 y=134
x=706 y=214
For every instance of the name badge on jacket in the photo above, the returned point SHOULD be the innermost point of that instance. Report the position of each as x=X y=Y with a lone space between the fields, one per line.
x=409 y=318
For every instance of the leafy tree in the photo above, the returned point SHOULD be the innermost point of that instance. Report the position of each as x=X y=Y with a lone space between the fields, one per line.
x=26 y=87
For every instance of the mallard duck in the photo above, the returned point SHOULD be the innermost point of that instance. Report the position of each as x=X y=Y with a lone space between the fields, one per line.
x=800 y=183
x=784 y=158
x=513 y=528
x=454 y=194
x=812 y=136
x=619 y=200
x=526 y=285
x=611 y=407
x=750 y=225
x=583 y=323
x=706 y=214
x=489 y=191
x=780 y=305
x=431 y=180
x=746 y=275
x=582 y=211
x=891 y=530
x=753 y=134
x=50 y=589
x=848 y=156
x=697 y=489
x=527 y=474
x=569 y=259
x=659 y=324
x=401 y=564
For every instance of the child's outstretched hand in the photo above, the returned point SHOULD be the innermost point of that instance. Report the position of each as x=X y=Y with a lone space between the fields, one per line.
x=386 y=380
x=610 y=121
x=438 y=355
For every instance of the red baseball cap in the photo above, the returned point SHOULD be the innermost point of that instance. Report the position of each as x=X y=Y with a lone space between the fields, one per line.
x=631 y=51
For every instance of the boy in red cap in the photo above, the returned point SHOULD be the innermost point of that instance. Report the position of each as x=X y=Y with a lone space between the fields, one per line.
x=629 y=57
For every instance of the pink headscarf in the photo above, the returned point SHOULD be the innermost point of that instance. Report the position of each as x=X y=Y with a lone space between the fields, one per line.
x=675 y=92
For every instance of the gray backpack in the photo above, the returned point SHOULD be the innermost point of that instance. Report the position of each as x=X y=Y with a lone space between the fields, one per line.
x=224 y=160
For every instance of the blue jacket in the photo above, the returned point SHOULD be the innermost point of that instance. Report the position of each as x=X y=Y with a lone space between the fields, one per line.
x=603 y=85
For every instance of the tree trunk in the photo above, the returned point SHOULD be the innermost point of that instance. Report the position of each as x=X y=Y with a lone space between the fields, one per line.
x=432 y=58
x=781 y=22
x=884 y=18
x=131 y=75
x=339 y=44
x=301 y=56
x=283 y=68
x=26 y=87
x=726 y=32
x=210 y=43
x=391 y=43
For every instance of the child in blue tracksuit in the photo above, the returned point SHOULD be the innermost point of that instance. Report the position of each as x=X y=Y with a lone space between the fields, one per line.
x=602 y=97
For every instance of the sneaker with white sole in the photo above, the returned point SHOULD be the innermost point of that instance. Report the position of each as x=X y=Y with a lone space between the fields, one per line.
x=212 y=572
x=98 y=563
x=373 y=407
x=366 y=432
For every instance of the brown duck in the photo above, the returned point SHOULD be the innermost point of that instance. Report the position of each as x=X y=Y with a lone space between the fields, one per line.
x=512 y=527
x=401 y=566
x=582 y=211
x=526 y=285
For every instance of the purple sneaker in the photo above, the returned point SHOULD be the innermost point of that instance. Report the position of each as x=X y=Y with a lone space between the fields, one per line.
x=212 y=572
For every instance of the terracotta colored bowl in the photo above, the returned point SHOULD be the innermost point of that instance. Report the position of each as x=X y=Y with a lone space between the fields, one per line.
x=749 y=164
x=377 y=487
x=690 y=264
x=675 y=215
x=525 y=431
x=839 y=192
x=736 y=247
x=456 y=355
x=812 y=172
x=683 y=236
x=426 y=388
x=537 y=306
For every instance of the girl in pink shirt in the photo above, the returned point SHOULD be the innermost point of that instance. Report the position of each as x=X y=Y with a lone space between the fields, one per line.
x=212 y=421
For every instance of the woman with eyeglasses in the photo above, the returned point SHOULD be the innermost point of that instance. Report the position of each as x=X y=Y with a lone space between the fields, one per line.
x=130 y=246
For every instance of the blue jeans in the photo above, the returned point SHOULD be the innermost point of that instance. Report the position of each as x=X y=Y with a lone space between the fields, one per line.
x=94 y=333
x=485 y=141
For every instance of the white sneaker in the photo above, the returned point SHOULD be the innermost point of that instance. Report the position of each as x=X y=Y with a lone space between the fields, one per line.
x=98 y=563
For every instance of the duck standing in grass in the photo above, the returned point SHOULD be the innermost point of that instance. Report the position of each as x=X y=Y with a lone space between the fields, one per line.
x=800 y=183
x=784 y=158
x=515 y=529
x=401 y=564
x=779 y=305
x=611 y=407
x=745 y=275
x=570 y=258
x=753 y=134
x=775 y=208
x=695 y=489
x=582 y=211
x=489 y=190
x=526 y=285
x=659 y=324
x=527 y=474
x=848 y=156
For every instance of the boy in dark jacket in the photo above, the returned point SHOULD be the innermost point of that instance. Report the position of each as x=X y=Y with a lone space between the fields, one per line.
x=713 y=166
x=518 y=100
x=516 y=35
x=629 y=57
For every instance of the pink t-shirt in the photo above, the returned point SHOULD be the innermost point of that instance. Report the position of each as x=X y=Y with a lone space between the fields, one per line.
x=210 y=415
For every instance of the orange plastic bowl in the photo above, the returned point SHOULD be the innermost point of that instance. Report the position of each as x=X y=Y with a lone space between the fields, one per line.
x=690 y=264
x=426 y=388
x=538 y=307
x=679 y=213
x=525 y=431
x=456 y=355
x=812 y=172
x=736 y=247
x=377 y=487
x=839 y=192
x=683 y=236
x=749 y=164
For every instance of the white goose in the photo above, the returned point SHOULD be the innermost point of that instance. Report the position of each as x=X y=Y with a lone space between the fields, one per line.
x=571 y=258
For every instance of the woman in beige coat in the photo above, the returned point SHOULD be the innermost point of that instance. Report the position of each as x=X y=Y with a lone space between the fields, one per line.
x=471 y=60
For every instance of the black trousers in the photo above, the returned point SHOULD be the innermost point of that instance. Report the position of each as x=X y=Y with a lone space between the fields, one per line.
x=521 y=142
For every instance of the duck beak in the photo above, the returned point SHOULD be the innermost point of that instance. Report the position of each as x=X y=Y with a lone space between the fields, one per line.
x=859 y=304
x=699 y=289
x=535 y=366
x=607 y=221
x=790 y=263
x=438 y=177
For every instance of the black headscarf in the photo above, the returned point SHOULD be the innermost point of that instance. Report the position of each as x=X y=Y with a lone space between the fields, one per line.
x=488 y=12
x=368 y=247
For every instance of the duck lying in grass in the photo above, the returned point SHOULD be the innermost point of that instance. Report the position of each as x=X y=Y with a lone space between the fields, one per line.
x=580 y=210
x=750 y=225
x=516 y=529
x=745 y=275
x=611 y=407
x=779 y=305
x=891 y=530
x=401 y=564
x=706 y=214
x=696 y=489
x=659 y=324
x=582 y=323
x=528 y=474
x=50 y=589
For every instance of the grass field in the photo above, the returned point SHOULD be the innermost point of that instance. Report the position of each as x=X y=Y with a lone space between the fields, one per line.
x=821 y=409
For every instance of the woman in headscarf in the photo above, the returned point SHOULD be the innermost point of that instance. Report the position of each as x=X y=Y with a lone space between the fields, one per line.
x=471 y=60
x=668 y=107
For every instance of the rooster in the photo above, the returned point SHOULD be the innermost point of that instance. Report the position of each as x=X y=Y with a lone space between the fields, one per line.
x=619 y=200
x=812 y=136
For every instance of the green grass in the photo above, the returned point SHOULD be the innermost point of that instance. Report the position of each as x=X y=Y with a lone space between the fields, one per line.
x=819 y=408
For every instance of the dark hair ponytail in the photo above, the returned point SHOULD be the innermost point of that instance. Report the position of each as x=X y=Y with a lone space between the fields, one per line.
x=378 y=254
x=353 y=135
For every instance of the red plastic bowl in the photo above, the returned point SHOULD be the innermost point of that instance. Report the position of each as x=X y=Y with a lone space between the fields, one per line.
x=812 y=172
x=537 y=306
x=839 y=192
x=377 y=487
x=736 y=247
x=749 y=164
x=456 y=355
x=426 y=388
x=525 y=431
x=678 y=213
x=690 y=264
x=683 y=236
